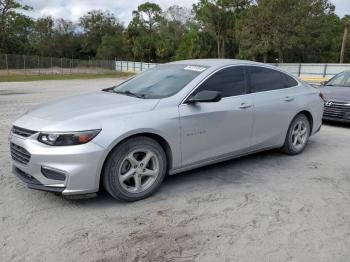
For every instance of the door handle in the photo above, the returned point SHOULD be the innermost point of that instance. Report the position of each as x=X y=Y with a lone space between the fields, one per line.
x=244 y=106
x=288 y=99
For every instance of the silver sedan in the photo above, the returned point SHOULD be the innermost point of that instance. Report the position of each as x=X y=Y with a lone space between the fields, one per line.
x=169 y=119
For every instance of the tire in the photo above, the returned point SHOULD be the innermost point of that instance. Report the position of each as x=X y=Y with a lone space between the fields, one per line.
x=297 y=136
x=134 y=169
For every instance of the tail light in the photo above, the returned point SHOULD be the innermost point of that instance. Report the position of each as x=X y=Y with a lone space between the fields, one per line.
x=322 y=96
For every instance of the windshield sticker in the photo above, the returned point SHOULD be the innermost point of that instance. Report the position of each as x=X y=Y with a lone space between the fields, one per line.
x=195 y=68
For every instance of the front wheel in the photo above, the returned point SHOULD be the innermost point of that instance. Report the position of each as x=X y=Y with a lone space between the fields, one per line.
x=297 y=135
x=135 y=169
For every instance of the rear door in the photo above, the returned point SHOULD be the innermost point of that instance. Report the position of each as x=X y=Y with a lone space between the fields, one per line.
x=274 y=96
x=211 y=130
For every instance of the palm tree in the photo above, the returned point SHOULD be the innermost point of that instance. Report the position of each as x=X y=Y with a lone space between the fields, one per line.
x=346 y=23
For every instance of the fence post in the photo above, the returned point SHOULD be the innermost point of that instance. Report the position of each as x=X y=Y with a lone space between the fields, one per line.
x=127 y=66
x=141 y=65
x=325 y=70
x=39 y=64
x=148 y=65
x=61 y=66
x=24 y=64
x=299 y=70
x=51 y=66
x=7 y=64
x=134 y=66
x=121 y=65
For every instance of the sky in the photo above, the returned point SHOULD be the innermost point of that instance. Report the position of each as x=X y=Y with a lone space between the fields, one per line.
x=73 y=9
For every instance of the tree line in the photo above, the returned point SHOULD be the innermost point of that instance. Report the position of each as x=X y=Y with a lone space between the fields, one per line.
x=260 y=30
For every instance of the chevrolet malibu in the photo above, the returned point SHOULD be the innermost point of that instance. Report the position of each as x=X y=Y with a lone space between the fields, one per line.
x=169 y=119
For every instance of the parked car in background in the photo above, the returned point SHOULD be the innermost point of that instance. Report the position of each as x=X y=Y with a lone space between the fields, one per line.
x=337 y=97
x=169 y=119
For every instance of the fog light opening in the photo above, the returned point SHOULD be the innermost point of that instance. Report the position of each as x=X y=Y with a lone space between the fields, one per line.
x=52 y=174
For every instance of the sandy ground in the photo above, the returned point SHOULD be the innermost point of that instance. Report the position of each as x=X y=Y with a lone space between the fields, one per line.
x=264 y=207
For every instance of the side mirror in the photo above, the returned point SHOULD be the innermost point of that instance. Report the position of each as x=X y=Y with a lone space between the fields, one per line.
x=323 y=83
x=205 y=96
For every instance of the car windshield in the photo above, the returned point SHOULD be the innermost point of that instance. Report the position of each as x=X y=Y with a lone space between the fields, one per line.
x=159 y=82
x=342 y=79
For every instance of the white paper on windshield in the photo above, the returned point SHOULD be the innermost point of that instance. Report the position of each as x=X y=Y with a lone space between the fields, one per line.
x=195 y=68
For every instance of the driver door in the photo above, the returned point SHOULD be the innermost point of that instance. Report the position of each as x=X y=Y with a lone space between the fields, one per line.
x=213 y=130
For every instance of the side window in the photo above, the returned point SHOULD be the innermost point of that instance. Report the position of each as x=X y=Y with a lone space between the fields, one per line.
x=290 y=81
x=265 y=79
x=230 y=81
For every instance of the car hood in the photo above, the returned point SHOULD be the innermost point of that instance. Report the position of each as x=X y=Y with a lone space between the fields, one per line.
x=336 y=93
x=83 y=111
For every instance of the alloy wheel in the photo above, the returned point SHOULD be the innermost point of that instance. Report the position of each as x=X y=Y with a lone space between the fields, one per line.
x=139 y=170
x=299 y=134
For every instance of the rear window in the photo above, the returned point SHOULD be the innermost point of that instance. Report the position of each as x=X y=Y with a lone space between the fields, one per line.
x=265 y=79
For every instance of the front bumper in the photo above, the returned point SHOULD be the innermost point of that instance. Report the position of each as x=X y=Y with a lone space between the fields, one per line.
x=78 y=167
x=33 y=183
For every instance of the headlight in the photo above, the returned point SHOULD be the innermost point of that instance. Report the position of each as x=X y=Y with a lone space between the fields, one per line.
x=67 y=139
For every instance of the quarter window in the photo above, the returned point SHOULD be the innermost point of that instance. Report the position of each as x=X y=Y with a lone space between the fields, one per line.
x=290 y=81
x=266 y=79
x=229 y=81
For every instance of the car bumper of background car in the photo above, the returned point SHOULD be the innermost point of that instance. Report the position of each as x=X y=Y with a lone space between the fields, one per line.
x=337 y=119
x=62 y=169
x=337 y=111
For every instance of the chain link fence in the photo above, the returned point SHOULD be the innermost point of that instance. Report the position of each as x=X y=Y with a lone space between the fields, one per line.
x=307 y=71
x=36 y=65
x=133 y=66
x=11 y=64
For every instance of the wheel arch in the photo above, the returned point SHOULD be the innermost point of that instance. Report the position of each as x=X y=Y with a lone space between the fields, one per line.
x=153 y=135
x=309 y=117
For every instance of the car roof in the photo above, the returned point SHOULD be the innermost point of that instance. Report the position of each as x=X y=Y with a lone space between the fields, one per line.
x=215 y=62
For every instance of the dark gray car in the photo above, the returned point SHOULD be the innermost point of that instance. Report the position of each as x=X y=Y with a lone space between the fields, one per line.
x=337 y=97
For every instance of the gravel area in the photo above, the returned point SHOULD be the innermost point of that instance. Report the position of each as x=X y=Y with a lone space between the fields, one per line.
x=264 y=207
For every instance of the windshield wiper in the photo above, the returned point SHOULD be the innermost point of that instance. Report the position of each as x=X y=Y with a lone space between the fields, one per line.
x=129 y=93
x=108 y=89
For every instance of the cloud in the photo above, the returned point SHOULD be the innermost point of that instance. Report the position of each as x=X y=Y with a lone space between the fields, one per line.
x=73 y=9
x=342 y=7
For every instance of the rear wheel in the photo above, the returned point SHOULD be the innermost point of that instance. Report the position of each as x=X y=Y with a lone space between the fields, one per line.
x=135 y=169
x=297 y=135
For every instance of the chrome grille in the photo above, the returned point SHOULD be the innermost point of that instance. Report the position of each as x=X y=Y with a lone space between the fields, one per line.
x=336 y=109
x=22 y=131
x=19 y=154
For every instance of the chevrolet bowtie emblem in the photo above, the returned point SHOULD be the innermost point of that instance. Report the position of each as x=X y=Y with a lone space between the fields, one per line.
x=329 y=103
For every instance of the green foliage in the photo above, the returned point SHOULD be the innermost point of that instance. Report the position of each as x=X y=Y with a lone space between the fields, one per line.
x=287 y=30
x=143 y=31
x=97 y=24
x=196 y=44
x=262 y=30
x=218 y=17
x=42 y=36
x=112 y=46
x=14 y=27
